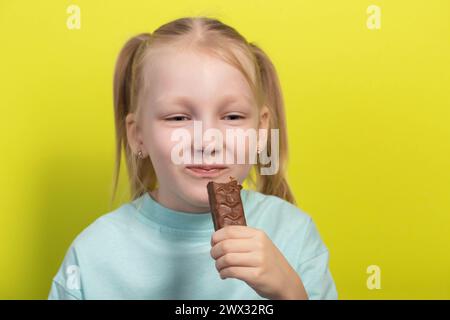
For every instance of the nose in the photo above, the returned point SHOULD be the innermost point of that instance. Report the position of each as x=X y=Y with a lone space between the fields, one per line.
x=207 y=138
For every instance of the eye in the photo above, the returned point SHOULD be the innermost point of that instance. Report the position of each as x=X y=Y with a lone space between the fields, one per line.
x=178 y=118
x=233 y=117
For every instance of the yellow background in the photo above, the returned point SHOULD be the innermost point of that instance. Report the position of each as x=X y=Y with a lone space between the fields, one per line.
x=369 y=129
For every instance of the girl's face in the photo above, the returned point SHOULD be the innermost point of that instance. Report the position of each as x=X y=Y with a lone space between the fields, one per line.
x=183 y=87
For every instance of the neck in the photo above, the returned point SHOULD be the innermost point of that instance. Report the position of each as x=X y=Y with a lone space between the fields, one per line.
x=173 y=202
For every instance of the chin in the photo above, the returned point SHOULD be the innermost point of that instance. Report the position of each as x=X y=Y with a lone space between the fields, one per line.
x=201 y=200
x=197 y=196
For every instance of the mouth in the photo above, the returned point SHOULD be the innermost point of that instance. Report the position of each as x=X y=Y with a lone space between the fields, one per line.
x=206 y=171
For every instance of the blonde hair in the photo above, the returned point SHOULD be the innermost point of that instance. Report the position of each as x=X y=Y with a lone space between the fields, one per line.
x=219 y=39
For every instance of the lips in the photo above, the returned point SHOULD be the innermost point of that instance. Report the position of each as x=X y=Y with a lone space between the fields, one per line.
x=209 y=171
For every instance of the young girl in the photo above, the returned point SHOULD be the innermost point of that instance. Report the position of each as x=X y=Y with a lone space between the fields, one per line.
x=162 y=244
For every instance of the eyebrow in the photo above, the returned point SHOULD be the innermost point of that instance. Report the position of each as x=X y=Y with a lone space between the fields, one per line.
x=226 y=99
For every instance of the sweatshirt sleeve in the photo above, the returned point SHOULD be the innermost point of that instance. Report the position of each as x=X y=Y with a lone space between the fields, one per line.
x=313 y=266
x=67 y=283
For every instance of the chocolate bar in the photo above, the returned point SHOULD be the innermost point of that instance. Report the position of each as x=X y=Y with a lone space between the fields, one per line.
x=226 y=204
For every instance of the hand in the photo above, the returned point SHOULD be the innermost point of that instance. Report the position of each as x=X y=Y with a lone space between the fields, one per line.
x=248 y=254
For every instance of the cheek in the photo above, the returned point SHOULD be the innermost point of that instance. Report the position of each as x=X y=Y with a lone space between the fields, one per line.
x=158 y=144
x=241 y=171
x=244 y=144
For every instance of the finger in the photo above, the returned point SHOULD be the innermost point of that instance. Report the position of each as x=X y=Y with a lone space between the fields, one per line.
x=232 y=232
x=232 y=245
x=238 y=259
x=247 y=274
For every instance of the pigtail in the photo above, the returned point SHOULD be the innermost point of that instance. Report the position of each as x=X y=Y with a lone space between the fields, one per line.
x=124 y=98
x=276 y=184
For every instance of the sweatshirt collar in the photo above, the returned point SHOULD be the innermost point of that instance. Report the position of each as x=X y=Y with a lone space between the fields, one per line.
x=178 y=220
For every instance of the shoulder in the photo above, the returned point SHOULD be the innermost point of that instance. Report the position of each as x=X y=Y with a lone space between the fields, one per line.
x=276 y=210
x=278 y=217
x=107 y=228
x=96 y=241
x=287 y=225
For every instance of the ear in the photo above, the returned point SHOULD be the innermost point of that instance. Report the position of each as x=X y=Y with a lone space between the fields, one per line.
x=133 y=134
x=264 y=121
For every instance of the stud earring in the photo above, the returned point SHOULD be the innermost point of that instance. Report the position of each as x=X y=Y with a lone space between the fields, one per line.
x=140 y=155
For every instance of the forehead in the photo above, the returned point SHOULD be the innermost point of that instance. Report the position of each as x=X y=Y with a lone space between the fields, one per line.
x=203 y=77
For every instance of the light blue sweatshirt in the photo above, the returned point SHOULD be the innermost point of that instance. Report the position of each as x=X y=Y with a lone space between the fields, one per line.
x=143 y=250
